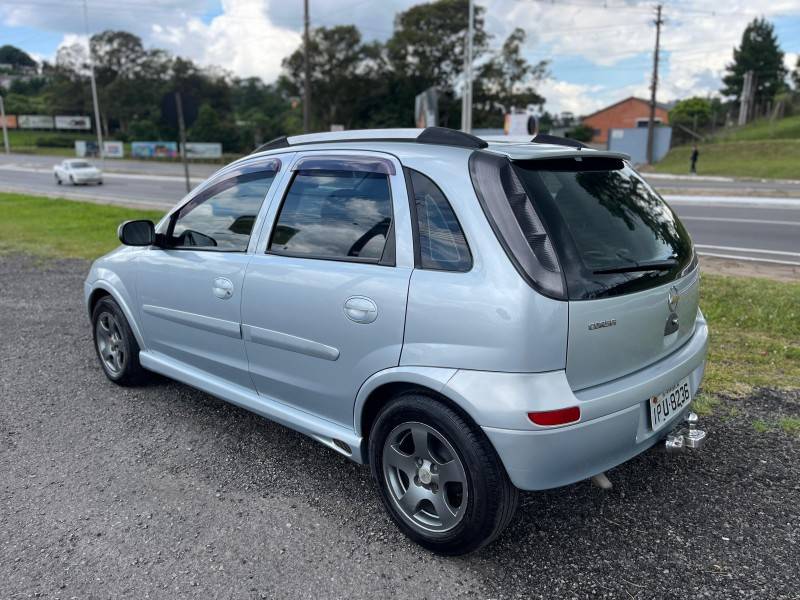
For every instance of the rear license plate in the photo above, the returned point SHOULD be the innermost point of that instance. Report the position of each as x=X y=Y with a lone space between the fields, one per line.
x=668 y=403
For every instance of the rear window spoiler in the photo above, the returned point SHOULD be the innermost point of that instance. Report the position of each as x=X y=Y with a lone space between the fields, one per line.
x=532 y=152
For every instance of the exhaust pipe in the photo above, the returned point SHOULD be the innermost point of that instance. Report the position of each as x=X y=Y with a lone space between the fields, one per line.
x=690 y=438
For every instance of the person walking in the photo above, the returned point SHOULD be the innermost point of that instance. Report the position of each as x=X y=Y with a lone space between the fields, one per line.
x=693 y=159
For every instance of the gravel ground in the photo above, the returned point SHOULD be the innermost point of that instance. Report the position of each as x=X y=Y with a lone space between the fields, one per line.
x=165 y=492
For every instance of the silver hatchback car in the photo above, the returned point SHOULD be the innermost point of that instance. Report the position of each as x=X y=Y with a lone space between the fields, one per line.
x=469 y=318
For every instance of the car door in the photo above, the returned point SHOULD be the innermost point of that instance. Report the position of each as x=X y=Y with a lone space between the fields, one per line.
x=324 y=300
x=189 y=288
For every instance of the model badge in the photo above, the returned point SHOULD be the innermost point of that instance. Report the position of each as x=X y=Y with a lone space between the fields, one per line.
x=601 y=324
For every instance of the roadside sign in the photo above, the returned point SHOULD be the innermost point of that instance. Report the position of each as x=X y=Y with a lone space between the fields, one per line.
x=73 y=122
x=154 y=149
x=11 y=121
x=35 y=122
x=203 y=150
x=113 y=149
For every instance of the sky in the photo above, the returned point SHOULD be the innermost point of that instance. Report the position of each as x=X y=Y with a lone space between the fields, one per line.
x=600 y=51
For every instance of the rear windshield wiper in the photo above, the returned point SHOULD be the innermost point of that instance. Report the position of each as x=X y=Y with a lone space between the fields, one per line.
x=656 y=265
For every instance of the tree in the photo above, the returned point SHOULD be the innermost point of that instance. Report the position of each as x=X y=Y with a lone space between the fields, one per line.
x=428 y=42
x=692 y=112
x=342 y=70
x=506 y=81
x=759 y=52
x=11 y=55
x=796 y=75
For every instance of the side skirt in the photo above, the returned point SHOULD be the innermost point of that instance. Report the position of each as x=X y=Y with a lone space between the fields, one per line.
x=342 y=440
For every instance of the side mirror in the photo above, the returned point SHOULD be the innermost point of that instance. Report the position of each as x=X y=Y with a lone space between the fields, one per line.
x=137 y=233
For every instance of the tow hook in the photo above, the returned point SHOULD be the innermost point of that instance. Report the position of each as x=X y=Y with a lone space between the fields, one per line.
x=689 y=438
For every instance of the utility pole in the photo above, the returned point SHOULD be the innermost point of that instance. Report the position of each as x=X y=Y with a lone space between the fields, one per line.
x=653 y=87
x=94 y=84
x=746 y=97
x=466 y=97
x=182 y=134
x=307 y=75
x=5 y=128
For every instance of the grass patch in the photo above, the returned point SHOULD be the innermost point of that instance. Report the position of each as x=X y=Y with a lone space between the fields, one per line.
x=61 y=228
x=760 y=426
x=764 y=129
x=775 y=159
x=755 y=334
x=790 y=425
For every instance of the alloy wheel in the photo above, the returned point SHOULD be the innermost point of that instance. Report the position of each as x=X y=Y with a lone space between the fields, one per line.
x=425 y=477
x=110 y=343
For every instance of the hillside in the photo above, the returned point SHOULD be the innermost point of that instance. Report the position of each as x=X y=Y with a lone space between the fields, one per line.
x=760 y=149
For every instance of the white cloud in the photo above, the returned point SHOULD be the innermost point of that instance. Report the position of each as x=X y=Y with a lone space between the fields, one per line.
x=572 y=97
x=242 y=39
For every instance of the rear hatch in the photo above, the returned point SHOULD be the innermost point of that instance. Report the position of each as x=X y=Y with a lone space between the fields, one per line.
x=628 y=265
x=625 y=263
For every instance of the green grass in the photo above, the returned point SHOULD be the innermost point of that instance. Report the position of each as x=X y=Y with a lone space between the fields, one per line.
x=764 y=129
x=776 y=159
x=755 y=334
x=763 y=148
x=48 y=228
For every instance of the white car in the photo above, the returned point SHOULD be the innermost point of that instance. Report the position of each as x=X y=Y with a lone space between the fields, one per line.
x=77 y=171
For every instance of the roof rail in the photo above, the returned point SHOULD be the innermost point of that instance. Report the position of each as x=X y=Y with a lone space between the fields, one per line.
x=543 y=138
x=278 y=142
x=445 y=136
x=441 y=136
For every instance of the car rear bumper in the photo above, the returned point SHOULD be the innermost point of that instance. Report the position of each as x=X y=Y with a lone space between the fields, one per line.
x=614 y=425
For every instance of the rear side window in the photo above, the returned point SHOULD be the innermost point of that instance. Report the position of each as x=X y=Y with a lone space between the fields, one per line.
x=335 y=214
x=442 y=245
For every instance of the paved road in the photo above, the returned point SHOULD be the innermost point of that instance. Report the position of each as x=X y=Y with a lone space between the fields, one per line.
x=165 y=492
x=750 y=228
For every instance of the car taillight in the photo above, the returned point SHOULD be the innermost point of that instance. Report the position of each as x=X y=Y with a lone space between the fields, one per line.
x=562 y=416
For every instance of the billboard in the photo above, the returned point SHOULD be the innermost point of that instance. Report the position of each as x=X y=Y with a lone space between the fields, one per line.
x=11 y=121
x=113 y=149
x=154 y=149
x=203 y=150
x=73 y=122
x=86 y=148
x=520 y=124
x=35 y=122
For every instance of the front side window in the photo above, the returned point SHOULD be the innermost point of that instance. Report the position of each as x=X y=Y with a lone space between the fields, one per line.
x=222 y=217
x=442 y=245
x=335 y=213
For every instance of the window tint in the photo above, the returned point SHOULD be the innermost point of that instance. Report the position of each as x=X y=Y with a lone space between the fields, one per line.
x=610 y=221
x=335 y=214
x=222 y=217
x=442 y=243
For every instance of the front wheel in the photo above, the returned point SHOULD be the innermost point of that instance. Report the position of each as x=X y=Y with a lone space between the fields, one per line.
x=58 y=179
x=440 y=479
x=115 y=344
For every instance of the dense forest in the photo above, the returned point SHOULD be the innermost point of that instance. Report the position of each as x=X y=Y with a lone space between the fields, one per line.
x=355 y=83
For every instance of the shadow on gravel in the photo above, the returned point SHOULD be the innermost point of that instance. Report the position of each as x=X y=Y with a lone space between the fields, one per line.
x=163 y=491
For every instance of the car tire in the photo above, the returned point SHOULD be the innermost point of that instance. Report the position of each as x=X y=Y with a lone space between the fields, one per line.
x=71 y=180
x=100 y=182
x=115 y=345
x=58 y=180
x=420 y=448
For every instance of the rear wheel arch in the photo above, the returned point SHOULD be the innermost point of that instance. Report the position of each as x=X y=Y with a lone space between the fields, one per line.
x=387 y=392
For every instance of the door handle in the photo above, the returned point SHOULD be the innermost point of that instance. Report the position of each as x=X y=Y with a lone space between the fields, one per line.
x=360 y=309
x=222 y=288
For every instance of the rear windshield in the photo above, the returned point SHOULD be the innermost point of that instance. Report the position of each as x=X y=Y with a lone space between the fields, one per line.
x=608 y=225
